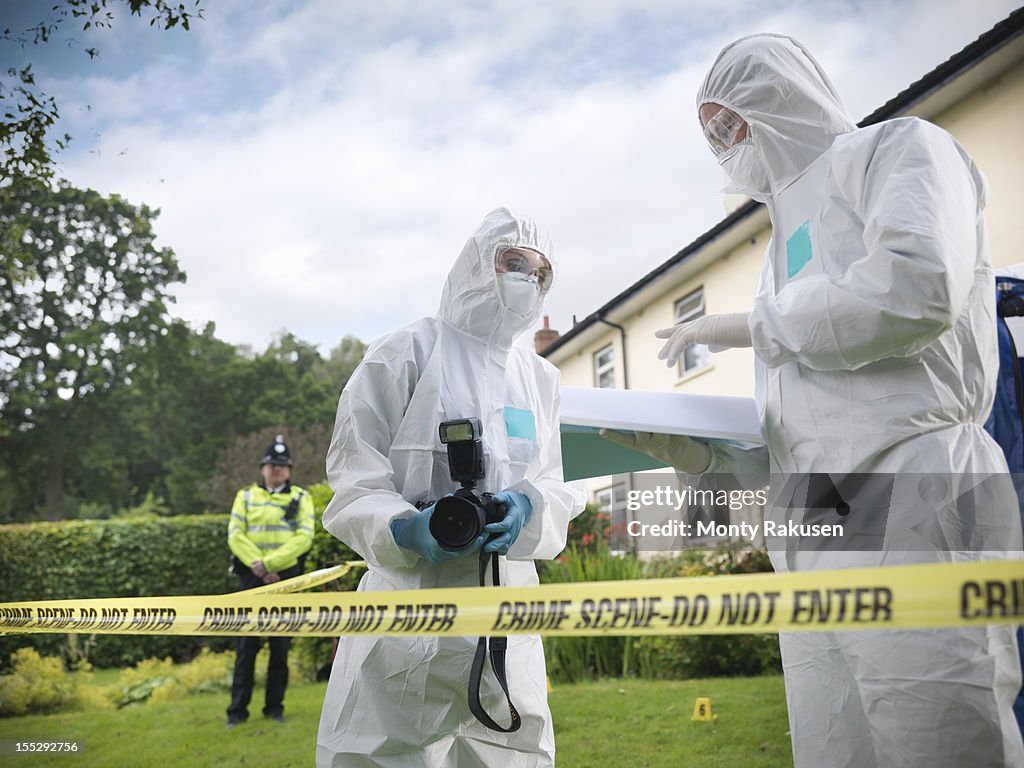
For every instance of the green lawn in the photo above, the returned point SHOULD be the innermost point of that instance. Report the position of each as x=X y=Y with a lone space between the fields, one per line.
x=644 y=724
x=614 y=723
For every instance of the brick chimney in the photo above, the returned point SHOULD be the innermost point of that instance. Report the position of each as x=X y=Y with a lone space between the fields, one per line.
x=543 y=338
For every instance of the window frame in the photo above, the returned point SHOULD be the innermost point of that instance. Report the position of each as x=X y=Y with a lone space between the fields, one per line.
x=700 y=310
x=608 y=367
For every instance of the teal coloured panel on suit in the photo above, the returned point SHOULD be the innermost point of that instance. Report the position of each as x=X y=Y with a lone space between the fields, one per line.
x=798 y=249
x=520 y=423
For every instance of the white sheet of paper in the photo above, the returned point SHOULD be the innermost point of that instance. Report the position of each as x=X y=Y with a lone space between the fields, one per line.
x=675 y=413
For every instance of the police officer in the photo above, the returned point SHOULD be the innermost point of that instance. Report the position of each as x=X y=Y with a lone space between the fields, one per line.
x=270 y=531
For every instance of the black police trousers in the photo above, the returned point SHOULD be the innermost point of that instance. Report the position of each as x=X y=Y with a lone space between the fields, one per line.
x=245 y=665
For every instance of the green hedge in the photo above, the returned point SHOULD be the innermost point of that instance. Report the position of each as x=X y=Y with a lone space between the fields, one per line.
x=128 y=557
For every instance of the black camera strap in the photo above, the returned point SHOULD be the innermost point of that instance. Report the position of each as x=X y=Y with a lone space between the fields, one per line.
x=498 y=646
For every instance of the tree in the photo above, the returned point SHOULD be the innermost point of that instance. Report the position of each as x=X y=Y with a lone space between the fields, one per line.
x=27 y=114
x=82 y=291
x=288 y=347
x=188 y=400
x=289 y=390
x=341 y=363
x=238 y=462
x=199 y=412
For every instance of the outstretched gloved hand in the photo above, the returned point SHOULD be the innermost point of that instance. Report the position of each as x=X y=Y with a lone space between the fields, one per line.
x=413 y=533
x=679 y=451
x=719 y=332
x=507 y=530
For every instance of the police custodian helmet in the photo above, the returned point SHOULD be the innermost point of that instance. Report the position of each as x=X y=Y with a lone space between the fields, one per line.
x=277 y=453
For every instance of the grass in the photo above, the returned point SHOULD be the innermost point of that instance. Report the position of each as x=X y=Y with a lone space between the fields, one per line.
x=646 y=724
x=615 y=722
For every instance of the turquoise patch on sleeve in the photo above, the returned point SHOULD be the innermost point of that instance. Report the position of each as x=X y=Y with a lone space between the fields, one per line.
x=798 y=249
x=520 y=423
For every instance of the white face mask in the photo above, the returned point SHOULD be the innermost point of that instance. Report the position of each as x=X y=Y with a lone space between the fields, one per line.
x=519 y=293
x=747 y=169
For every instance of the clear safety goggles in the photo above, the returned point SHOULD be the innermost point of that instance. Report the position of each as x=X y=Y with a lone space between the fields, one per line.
x=525 y=262
x=722 y=129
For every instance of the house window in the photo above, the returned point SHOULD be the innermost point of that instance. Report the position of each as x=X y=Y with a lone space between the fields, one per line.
x=695 y=356
x=612 y=501
x=604 y=367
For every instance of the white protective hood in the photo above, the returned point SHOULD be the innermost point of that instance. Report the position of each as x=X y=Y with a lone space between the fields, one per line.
x=790 y=105
x=471 y=294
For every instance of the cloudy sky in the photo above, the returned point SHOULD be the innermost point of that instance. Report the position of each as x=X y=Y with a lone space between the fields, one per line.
x=319 y=164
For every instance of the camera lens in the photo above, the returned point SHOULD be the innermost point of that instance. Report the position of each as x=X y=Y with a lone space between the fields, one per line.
x=456 y=522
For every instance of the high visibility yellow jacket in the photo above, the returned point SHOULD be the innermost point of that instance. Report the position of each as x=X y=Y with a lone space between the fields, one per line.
x=262 y=527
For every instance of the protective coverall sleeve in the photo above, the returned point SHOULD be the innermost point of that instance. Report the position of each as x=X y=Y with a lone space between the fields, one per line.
x=918 y=203
x=299 y=543
x=239 y=543
x=358 y=468
x=747 y=468
x=554 y=501
x=731 y=467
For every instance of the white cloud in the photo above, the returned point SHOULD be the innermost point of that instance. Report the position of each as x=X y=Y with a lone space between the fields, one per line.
x=334 y=200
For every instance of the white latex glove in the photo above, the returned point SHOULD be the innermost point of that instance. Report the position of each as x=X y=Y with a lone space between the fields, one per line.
x=679 y=451
x=719 y=332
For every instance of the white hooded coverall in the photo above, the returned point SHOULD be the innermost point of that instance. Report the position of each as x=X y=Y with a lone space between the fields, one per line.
x=397 y=701
x=874 y=334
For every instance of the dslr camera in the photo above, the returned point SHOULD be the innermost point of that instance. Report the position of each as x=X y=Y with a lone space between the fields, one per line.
x=459 y=519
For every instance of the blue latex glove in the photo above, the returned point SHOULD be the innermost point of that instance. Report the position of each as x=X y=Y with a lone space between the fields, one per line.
x=413 y=533
x=507 y=530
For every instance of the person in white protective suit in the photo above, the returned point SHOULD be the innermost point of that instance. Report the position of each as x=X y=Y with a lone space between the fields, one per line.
x=402 y=701
x=873 y=331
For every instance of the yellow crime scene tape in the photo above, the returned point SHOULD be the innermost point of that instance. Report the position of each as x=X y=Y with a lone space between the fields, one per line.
x=305 y=581
x=934 y=595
